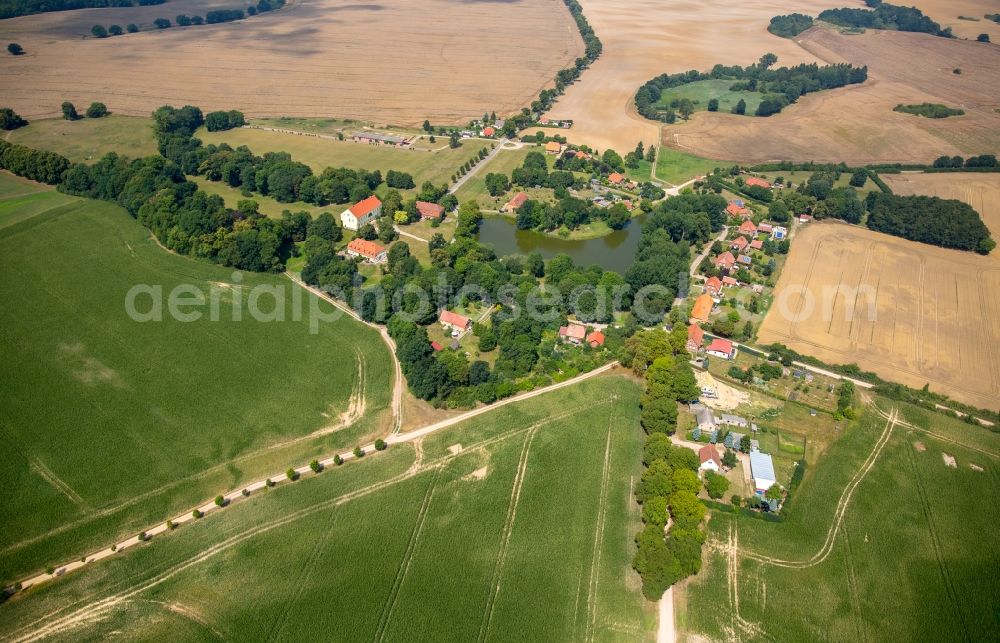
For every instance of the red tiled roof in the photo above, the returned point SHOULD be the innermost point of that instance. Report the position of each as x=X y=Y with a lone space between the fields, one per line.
x=709 y=452
x=735 y=210
x=713 y=284
x=720 y=345
x=748 y=227
x=753 y=180
x=365 y=248
x=454 y=319
x=580 y=154
x=596 y=338
x=739 y=243
x=756 y=244
x=361 y=208
x=702 y=307
x=436 y=346
x=696 y=335
x=573 y=331
x=765 y=227
x=616 y=178
x=517 y=200
x=489 y=131
x=725 y=259
x=429 y=210
x=729 y=281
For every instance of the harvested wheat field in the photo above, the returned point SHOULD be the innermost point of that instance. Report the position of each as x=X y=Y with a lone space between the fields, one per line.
x=400 y=62
x=980 y=190
x=947 y=12
x=921 y=314
x=645 y=38
x=856 y=124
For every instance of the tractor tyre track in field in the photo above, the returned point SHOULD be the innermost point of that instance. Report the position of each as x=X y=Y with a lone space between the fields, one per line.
x=404 y=564
x=595 y=554
x=841 y=508
x=508 y=529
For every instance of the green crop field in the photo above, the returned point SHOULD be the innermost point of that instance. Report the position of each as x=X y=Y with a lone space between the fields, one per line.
x=109 y=423
x=523 y=534
x=321 y=153
x=910 y=561
x=88 y=139
x=700 y=92
x=674 y=166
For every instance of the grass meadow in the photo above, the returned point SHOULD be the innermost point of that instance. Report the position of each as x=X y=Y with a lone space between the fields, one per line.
x=674 y=166
x=108 y=423
x=321 y=153
x=525 y=533
x=702 y=91
x=88 y=139
x=504 y=162
x=912 y=559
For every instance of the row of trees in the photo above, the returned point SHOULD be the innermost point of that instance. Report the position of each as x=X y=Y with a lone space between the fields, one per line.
x=37 y=165
x=669 y=484
x=780 y=86
x=983 y=160
x=215 y=16
x=564 y=77
x=13 y=8
x=100 y=31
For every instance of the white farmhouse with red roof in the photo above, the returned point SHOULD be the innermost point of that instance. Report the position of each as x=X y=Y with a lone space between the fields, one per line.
x=361 y=213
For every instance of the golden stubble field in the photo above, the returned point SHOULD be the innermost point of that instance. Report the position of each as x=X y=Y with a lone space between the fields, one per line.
x=922 y=314
x=645 y=38
x=856 y=124
x=386 y=62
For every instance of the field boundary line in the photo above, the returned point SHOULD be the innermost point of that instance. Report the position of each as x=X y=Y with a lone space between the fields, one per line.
x=508 y=529
x=602 y=511
x=404 y=564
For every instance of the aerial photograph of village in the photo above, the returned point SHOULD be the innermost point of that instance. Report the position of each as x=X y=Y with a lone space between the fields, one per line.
x=500 y=320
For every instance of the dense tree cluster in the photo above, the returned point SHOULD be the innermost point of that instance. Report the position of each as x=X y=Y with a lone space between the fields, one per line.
x=669 y=484
x=790 y=25
x=780 y=87
x=223 y=15
x=929 y=110
x=223 y=120
x=10 y=120
x=399 y=180
x=37 y=165
x=885 y=16
x=12 y=8
x=942 y=222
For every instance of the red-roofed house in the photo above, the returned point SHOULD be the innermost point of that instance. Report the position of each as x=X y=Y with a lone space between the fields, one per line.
x=713 y=286
x=436 y=346
x=361 y=213
x=515 y=202
x=430 y=210
x=580 y=154
x=615 y=178
x=572 y=333
x=753 y=180
x=757 y=244
x=595 y=339
x=765 y=228
x=721 y=348
x=729 y=281
x=455 y=321
x=804 y=218
x=489 y=131
x=553 y=147
x=745 y=260
x=696 y=337
x=368 y=250
x=709 y=456
x=747 y=227
x=702 y=307
x=544 y=120
x=739 y=243
x=734 y=210
x=725 y=261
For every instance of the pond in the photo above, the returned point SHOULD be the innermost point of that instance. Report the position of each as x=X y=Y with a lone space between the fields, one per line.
x=614 y=251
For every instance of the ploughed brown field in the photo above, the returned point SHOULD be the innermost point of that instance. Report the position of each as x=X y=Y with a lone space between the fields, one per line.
x=856 y=124
x=385 y=62
x=921 y=314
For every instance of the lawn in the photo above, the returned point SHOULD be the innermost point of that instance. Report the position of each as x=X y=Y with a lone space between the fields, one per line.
x=88 y=139
x=503 y=163
x=321 y=153
x=700 y=92
x=108 y=422
x=909 y=561
x=523 y=533
x=268 y=206
x=676 y=167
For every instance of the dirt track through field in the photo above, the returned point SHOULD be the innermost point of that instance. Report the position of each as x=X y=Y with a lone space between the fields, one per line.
x=392 y=62
x=602 y=512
